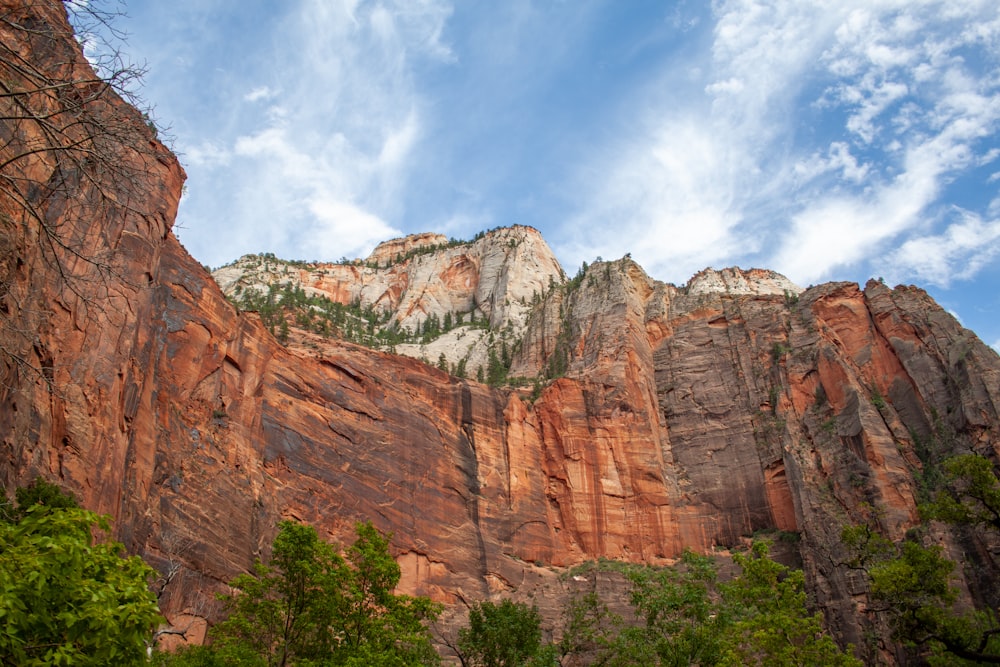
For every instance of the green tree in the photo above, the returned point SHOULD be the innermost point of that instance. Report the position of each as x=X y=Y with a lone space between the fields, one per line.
x=508 y=634
x=310 y=605
x=589 y=627
x=971 y=494
x=38 y=492
x=281 y=610
x=771 y=622
x=685 y=617
x=910 y=583
x=232 y=655
x=496 y=372
x=67 y=598
x=681 y=623
x=380 y=627
x=283 y=332
x=912 y=588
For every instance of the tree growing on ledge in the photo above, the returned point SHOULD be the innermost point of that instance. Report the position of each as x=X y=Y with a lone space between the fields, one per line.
x=508 y=634
x=911 y=583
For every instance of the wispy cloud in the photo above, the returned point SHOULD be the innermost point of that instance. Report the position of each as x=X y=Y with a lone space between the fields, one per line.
x=210 y=154
x=958 y=253
x=668 y=199
x=260 y=93
x=820 y=133
x=824 y=140
x=319 y=148
x=904 y=88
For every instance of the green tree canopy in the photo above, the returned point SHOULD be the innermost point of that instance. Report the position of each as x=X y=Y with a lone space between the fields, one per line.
x=771 y=624
x=508 y=634
x=67 y=598
x=682 y=624
x=971 y=494
x=311 y=605
x=911 y=587
x=910 y=582
x=38 y=492
x=686 y=617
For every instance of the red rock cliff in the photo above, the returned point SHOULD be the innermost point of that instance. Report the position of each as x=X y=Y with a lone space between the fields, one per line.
x=686 y=417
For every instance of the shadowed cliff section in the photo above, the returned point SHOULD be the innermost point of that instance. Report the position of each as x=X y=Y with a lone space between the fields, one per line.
x=676 y=417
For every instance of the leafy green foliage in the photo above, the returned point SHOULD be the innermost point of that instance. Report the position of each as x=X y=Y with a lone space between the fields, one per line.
x=771 y=623
x=38 y=492
x=911 y=582
x=66 y=598
x=281 y=606
x=914 y=590
x=971 y=494
x=503 y=635
x=686 y=617
x=311 y=605
x=682 y=624
x=380 y=627
x=590 y=628
x=235 y=655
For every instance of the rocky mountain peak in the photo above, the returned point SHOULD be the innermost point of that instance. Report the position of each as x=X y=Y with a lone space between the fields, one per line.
x=735 y=280
x=388 y=251
x=424 y=295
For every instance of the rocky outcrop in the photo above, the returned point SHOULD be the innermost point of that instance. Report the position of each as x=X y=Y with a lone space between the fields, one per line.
x=495 y=279
x=735 y=281
x=664 y=418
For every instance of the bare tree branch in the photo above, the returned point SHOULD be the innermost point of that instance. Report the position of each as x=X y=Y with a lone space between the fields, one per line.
x=71 y=152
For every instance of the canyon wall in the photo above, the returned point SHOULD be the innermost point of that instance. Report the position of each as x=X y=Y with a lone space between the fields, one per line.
x=681 y=417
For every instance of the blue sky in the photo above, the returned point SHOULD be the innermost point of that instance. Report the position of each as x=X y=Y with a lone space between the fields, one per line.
x=825 y=140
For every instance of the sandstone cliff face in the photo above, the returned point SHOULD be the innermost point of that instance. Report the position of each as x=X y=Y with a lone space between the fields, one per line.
x=675 y=417
x=495 y=279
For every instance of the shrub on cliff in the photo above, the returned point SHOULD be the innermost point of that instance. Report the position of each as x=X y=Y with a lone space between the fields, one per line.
x=910 y=581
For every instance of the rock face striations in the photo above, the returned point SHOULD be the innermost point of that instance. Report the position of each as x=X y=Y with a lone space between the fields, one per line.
x=658 y=418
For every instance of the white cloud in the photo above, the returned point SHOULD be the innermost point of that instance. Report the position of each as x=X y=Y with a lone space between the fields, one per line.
x=838 y=159
x=996 y=345
x=208 y=153
x=674 y=194
x=399 y=142
x=720 y=172
x=667 y=201
x=342 y=227
x=839 y=230
x=260 y=93
x=958 y=253
x=321 y=164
